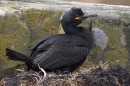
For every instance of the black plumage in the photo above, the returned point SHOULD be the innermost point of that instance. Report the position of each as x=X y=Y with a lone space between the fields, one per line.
x=64 y=52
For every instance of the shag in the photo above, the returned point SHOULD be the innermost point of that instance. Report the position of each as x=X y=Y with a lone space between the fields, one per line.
x=61 y=52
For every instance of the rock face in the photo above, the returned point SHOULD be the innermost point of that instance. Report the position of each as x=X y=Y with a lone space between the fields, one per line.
x=23 y=23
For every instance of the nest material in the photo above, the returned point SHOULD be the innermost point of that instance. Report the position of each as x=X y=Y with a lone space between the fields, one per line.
x=97 y=76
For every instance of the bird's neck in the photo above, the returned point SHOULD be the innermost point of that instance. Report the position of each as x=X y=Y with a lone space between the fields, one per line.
x=80 y=31
x=70 y=29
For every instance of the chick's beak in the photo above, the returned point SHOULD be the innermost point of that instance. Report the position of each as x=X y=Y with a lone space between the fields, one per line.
x=86 y=16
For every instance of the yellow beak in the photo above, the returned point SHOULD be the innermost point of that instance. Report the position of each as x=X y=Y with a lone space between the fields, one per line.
x=77 y=18
x=85 y=16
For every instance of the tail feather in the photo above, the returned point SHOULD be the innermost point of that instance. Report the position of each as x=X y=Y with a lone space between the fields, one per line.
x=13 y=55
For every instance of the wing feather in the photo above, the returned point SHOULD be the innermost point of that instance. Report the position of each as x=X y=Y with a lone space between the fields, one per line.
x=62 y=50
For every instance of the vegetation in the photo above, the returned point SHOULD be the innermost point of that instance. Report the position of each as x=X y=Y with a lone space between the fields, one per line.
x=101 y=75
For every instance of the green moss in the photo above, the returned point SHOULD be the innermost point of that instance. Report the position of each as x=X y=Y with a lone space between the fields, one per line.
x=61 y=31
x=12 y=35
x=41 y=23
x=115 y=51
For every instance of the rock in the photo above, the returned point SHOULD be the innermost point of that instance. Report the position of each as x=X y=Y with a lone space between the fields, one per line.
x=13 y=34
x=101 y=39
x=23 y=23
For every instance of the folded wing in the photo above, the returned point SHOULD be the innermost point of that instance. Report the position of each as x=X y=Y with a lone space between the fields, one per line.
x=59 y=50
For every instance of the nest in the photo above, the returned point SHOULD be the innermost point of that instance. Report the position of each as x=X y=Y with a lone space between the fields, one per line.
x=95 y=76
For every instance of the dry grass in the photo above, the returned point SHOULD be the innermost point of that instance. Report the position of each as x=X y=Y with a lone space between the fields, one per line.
x=101 y=75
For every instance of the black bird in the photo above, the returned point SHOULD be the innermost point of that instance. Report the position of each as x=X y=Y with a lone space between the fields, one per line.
x=63 y=52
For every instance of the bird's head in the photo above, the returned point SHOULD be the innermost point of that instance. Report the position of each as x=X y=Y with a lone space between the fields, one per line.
x=74 y=17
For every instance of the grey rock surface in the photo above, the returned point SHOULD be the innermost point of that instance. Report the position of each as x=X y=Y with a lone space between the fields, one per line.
x=101 y=39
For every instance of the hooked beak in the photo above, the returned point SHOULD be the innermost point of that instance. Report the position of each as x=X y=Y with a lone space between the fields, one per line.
x=86 y=16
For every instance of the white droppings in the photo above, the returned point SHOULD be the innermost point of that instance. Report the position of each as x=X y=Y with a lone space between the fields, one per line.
x=12 y=46
x=24 y=44
x=123 y=40
x=62 y=16
x=2 y=13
